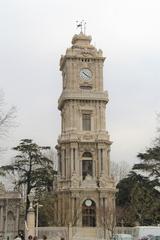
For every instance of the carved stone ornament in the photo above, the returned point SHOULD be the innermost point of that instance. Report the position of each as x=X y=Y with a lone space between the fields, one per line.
x=74 y=181
x=106 y=182
x=89 y=182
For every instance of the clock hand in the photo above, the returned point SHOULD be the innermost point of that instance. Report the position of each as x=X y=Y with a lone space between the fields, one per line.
x=86 y=74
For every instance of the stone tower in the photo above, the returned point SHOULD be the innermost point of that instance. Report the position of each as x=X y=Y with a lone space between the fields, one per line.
x=84 y=190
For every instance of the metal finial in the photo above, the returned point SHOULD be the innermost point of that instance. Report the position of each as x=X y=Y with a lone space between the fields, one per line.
x=82 y=26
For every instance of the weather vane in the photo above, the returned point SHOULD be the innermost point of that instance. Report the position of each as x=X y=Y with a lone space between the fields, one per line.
x=82 y=26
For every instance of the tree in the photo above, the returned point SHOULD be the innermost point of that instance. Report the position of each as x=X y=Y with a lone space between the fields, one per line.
x=32 y=169
x=47 y=211
x=138 y=199
x=6 y=117
x=150 y=163
x=150 y=159
x=120 y=170
x=108 y=221
x=144 y=204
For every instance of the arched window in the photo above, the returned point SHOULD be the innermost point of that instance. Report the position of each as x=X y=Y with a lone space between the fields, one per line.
x=87 y=164
x=89 y=213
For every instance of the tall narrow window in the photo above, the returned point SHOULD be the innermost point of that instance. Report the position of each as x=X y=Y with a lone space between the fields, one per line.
x=65 y=163
x=74 y=156
x=75 y=212
x=60 y=163
x=86 y=122
x=101 y=159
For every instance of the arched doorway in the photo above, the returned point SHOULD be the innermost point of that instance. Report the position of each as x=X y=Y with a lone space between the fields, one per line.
x=87 y=164
x=88 y=213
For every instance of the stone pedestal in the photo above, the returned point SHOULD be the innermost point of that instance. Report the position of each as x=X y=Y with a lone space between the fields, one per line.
x=30 y=223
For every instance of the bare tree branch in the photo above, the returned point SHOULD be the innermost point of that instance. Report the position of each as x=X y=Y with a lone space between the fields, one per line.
x=7 y=119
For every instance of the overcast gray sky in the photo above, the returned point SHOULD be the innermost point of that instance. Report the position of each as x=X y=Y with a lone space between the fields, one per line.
x=34 y=34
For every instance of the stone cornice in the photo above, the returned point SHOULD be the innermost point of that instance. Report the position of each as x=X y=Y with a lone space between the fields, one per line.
x=10 y=195
x=81 y=137
x=82 y=95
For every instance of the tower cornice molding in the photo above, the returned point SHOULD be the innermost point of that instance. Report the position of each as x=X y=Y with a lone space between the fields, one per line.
x=80 y=137
x=82 y=95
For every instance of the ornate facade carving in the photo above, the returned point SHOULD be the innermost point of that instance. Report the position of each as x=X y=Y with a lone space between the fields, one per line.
x=84 y=144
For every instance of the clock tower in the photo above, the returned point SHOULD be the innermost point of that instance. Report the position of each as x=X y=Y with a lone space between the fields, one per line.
x=84 y=190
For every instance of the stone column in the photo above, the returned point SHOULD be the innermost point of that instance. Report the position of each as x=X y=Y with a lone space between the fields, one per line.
x=75 y=124
x=101 y=211
x=94 y=169
x=58 y=210
x=80 y=169
x=62 y=162
x=72 y=209
x=1 y=219
x=99 y=114
x=97 y=118
x=70 y=114
x=71 y=157
x=69 y=231
x=76 y=160
x=103 y=114
x=6 y=218
x=59 y=164
x=17 y=216
x=108 y=161
x=101 y=75
x=99 y=160
x=102 y=161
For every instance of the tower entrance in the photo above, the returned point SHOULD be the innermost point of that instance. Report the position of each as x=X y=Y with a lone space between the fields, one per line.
x=89 y=213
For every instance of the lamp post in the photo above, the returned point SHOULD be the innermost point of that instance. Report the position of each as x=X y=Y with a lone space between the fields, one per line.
x=37 y=209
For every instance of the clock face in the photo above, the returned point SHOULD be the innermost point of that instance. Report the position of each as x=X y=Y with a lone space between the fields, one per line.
x=85 y=74
x=88 y=202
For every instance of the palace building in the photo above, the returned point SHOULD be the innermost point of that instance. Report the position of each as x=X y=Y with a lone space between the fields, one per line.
x=10 y=218
x=84 y=190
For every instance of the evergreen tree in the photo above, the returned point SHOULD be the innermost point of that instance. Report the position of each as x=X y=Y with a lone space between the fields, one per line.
x=137 y=201
x=31 y=168
x=150 y=163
